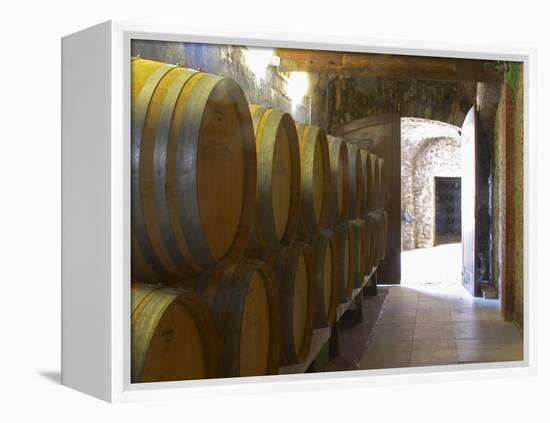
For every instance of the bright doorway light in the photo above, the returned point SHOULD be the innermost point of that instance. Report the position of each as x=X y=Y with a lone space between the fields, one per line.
x=297 y=87
x=298 y=84
x=258 y=60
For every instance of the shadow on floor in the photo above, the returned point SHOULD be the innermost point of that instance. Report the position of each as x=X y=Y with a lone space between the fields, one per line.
x=54 y=376
x=354 y=336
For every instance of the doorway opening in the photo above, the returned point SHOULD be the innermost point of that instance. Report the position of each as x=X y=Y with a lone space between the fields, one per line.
x=431 y=172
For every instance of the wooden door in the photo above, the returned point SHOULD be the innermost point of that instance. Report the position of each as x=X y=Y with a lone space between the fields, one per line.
x=382 y=136
x=468 y=200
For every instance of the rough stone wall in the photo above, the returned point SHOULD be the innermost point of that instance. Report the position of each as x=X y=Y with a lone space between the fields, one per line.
x=518 y=204
x=230 y=61
x=357 y=97
x=416 y=136
x=498 y=196
x=436 y=157
x=508 y=200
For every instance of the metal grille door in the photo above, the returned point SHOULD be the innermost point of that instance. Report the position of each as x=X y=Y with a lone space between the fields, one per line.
x=447 y=210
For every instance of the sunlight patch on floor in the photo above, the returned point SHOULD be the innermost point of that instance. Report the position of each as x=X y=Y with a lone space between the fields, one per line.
x=441 y=265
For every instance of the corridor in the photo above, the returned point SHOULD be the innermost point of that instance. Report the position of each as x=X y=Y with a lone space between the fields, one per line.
x=435 y=321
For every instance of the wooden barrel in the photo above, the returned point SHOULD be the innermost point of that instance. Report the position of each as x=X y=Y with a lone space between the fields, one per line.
x=379 y=187
x=361 y=228
x=383 y=233
x=356 y=179
x=372 y=181
x=278 y=182
x=379 y=235
x=354 y=252
x=369 y=247
x=324 y=255
x=245 y=303
x=375 y=226
x=315 y=181
x=375 y=239
x=366 y=175
x=297 y=286
x=193 y=171
x=173 y=336
x=339 y=188
x=346 y=257
x=371 y=239
x=362 y=250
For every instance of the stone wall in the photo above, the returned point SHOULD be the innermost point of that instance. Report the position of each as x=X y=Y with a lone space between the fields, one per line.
x=517 y=202
x=498 y=197
x=508 y=199
x=261 y=82
x=428 y=149
x=351 y=98
x=437 y=157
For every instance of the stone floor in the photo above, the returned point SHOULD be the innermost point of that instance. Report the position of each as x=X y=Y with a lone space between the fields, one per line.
x=433 y=320
x=354 y=336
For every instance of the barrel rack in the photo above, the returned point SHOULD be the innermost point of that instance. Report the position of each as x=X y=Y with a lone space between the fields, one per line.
x=322 y=336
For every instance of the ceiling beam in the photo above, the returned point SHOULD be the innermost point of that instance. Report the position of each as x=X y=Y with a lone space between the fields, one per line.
x=389 y=65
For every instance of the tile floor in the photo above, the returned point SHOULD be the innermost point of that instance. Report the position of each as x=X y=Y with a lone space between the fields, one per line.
x=425 y=323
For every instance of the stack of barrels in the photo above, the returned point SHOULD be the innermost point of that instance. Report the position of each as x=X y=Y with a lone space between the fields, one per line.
x=248 y=229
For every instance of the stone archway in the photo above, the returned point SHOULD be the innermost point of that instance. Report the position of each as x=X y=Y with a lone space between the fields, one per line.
x=437 y=157
x=428 y=149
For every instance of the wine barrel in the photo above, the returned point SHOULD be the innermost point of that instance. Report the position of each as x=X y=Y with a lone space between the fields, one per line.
x=355 y=181
x=354 y=249
x=371 y=239
x=173 y=336
x=375 y=241
x=383 y=233
x=245 y=303
x=379 y=187
x=362 y=250
x=295 y=273
x=379 y=240
x=382 y=222
x=372 y=181
x=324 y=255
x=375 y=226
x=361 y=228
x=339 y=188
x=365 y=195
x=278 y=182
x=315 y=182
x=369 y=247
x=193 y=171
x=346 y=265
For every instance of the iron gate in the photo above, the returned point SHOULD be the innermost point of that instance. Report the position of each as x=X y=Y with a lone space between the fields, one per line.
x=447 y=210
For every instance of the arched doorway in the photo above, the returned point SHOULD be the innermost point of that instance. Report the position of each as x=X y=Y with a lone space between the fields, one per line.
x=429 y=150
x=430 y=156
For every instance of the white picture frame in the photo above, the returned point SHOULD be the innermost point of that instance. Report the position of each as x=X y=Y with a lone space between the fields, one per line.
x=96 y=213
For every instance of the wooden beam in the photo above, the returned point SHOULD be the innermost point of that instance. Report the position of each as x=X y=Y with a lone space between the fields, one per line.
x=389 y=65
